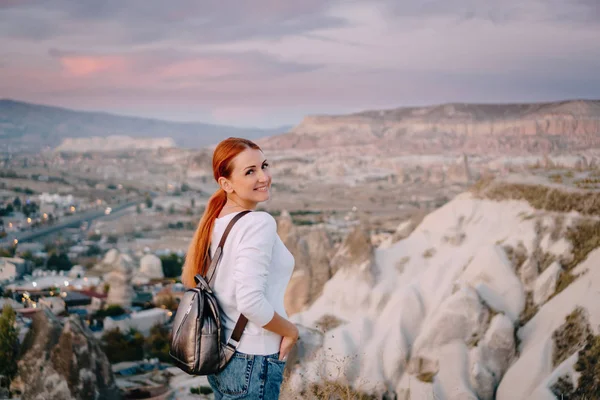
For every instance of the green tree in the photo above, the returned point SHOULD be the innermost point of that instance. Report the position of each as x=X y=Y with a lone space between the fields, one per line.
x=113 y=310
x=8 y=252
x=93 y=250
x=59 y=262
x=158 y=343
x=17 y=203
x=138 y=209
x=9 y=343
x=95 y=237
x=172 y=265
x=148 y=201
x=123 y=347
x=112 y=239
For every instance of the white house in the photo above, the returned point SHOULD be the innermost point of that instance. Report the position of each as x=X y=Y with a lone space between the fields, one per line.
x=142 y=321
x=22 y=266
x=8 y=271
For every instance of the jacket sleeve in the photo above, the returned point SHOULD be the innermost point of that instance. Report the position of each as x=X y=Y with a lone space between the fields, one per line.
x=253 y=257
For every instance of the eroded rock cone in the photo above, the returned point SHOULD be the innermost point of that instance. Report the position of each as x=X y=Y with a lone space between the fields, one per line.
x=312 y=248
x=63 y=362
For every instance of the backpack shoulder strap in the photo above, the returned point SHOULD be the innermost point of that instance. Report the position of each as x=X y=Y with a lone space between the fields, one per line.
x=219 y=251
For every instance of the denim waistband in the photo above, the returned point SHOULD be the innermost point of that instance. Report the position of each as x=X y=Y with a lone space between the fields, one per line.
x=251 y=356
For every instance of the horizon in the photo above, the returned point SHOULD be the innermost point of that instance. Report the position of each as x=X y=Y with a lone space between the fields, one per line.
x=288 y=126
x=265 y=66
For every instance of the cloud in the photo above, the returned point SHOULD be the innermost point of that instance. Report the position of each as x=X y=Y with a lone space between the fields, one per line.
x=500 y=12
x=269 y=60
x=208 y=21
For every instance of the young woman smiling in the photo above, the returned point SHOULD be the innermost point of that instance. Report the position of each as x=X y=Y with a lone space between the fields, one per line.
x=252 y=276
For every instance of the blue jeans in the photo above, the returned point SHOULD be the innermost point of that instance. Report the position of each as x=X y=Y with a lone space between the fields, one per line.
x=249 y=376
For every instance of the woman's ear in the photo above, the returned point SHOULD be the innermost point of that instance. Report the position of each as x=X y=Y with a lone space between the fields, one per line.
x=225 y=185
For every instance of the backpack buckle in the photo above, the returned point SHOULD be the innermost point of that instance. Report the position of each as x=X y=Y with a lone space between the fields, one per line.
x=202 y=284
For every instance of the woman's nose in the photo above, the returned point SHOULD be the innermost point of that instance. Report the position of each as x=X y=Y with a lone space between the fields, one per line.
x=262 y=176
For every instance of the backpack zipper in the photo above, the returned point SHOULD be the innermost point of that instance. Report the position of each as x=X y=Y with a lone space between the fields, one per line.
x=187 y=312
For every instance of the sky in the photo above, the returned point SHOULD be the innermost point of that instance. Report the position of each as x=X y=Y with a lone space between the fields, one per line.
x=267 y=63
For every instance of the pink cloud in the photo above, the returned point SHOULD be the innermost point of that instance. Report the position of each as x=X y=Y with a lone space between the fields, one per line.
x=79 y=66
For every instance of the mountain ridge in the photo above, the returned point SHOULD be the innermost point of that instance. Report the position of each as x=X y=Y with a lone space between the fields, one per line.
x=31 y=127
x=517 y=129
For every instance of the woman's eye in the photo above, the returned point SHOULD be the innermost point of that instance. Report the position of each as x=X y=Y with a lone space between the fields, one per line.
x=264 y=166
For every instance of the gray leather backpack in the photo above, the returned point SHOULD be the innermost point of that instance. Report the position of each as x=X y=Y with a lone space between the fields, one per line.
x=197 y=344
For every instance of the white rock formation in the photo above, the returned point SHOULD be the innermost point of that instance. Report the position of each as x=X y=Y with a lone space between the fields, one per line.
x=151 y=267
x=117 y=270
x=443 y=320
x=545 y=284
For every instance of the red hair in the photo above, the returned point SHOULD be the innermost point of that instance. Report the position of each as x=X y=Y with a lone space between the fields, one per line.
x=198 y=250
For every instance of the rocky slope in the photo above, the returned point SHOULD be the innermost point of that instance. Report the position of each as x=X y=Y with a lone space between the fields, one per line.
x=63 y=362
x=453 y=128
x=492 y=296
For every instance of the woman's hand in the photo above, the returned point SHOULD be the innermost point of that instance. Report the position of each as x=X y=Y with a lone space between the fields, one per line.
x=287 y=343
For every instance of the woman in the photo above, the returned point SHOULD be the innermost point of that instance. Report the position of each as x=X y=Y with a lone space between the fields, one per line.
x=252 y=275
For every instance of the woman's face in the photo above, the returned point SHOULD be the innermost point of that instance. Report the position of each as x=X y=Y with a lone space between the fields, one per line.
x=250 y=180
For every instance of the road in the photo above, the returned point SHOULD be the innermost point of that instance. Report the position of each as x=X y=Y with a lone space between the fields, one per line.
x=68 y=222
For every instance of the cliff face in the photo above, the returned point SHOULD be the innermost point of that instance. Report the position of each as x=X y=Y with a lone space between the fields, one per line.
x=63 y=362
x=517 y=128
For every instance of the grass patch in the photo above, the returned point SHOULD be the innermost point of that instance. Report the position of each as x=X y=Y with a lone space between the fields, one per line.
x=570 y=336
x=529 y=311
x=563 y=388
x=542 y=259
x=429 y=253
x=516 y=255
x=540 y=197
x=588 y=365
x=328 y=322
x=201 y=390
x=337 y=390
x=556 y=178
x=584 y=237
x=426 y=377
x=564 y=280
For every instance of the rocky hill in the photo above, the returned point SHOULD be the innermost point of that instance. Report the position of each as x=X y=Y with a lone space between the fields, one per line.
x=31 y=127
x=492 y=296
x=63 y=362
x=516 y=129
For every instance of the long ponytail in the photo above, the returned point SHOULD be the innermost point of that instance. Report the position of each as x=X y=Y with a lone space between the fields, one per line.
x=197 y=254
x=198 y=250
